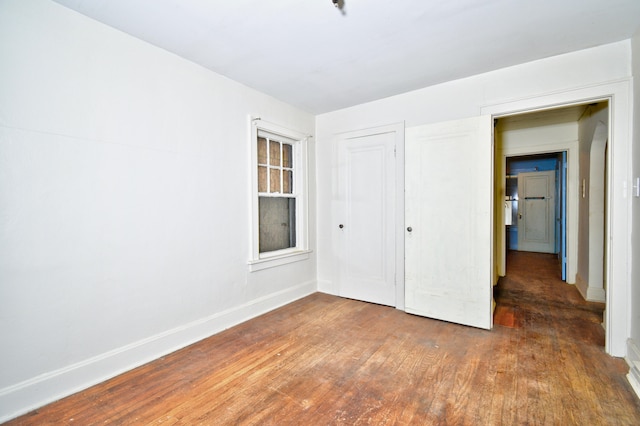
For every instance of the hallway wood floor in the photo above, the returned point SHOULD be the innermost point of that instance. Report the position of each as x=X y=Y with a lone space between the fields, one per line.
x=327 y=360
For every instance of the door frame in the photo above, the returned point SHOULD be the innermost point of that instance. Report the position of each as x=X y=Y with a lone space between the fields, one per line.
x=561 y=208
x=571 y=197
x=618 y=203
x=398 y=129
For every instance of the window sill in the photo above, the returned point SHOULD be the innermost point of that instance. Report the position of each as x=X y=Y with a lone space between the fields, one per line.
x=278 y=260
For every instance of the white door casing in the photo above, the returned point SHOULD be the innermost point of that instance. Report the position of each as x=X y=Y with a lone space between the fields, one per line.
x=536 y=211
x=366 y=218
x=449 y=234
x=618 y=190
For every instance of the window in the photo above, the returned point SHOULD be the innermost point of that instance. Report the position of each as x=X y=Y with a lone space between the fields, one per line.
x=279 y=163
x=276 y=197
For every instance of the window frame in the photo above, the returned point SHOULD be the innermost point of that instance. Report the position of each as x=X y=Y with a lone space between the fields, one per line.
x=299 y=142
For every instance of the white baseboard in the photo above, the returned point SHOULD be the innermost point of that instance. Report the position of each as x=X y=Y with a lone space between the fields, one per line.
x=582 y=286
x=328 y=287
x=590 y=293
x=38 y=391
x=633 y=359
x=596 y=294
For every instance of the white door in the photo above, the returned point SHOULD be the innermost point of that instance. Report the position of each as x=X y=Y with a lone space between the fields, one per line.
x=449 y=229
x=366 y=216
x=536 y=211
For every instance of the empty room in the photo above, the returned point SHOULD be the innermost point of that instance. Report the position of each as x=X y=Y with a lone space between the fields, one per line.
x=319 y=212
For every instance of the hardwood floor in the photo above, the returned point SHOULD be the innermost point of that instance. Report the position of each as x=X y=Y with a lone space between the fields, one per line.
x=326 y=360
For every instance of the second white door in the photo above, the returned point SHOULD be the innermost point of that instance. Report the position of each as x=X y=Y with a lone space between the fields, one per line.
x=448 y=201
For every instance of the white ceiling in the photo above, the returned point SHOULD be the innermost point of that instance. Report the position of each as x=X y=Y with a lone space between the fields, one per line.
x=319 y=58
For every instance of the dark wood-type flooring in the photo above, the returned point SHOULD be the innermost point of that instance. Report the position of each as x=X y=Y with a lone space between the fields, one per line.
x=325 y=360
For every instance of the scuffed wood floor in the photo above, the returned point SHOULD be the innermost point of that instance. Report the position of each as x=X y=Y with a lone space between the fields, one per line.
x=325 y=360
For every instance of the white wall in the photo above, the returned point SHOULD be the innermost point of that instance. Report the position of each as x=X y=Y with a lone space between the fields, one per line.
x=635 y=328
x=633 y=355
x=550 y=82
x=124 y=204
x=592 y=205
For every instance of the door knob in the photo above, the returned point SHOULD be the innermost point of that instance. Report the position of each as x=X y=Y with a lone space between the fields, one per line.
x=341 y=226
x=409 y=229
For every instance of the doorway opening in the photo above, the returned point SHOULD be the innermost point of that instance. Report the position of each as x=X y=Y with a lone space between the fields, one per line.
x=569 y=143
x=615 y=99
x=535 y=205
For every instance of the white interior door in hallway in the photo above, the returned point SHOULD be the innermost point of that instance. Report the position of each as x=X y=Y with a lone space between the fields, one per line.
x=366 y=218
x=536 y=216
x=448 y=219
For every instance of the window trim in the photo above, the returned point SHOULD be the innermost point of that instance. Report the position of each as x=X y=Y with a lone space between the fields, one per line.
x=258 y=261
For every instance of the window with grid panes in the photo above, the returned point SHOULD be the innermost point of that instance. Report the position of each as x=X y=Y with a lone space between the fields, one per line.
x=276 y=193
x=279 y=218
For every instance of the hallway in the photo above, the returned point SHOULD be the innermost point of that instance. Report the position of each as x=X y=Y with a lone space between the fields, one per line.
x=533 y=295
x=558 y=344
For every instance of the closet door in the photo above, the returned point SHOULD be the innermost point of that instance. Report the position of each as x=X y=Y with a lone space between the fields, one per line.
x=448 y=219
x=365 y=217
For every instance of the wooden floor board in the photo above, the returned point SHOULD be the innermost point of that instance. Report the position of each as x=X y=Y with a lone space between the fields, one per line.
x=328 y=360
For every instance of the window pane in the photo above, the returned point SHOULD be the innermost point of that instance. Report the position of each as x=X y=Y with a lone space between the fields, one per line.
x=262 y=179
x=275 y=180
x=287 y=155
x=262 y=151
x=287 y=181
x=274 y=153
x=277 y=223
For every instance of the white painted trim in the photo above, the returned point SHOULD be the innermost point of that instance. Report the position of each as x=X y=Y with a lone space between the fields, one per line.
x=582 y=286
x=327 y=286
x=595 y=294
x=633 y=360
x=301 y=186
x=23 y=397
x=590 y=293
x=400 y=215
x=283 y=259
x=560 y=99
x=618 y=259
